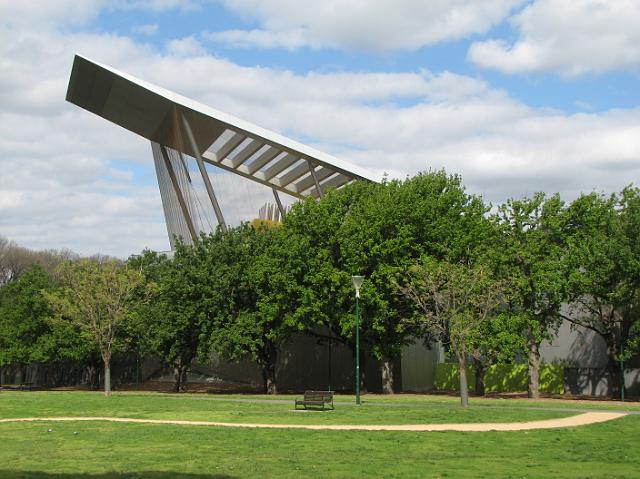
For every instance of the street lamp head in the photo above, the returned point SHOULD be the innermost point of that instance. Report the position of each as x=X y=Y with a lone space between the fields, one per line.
x=357 y=282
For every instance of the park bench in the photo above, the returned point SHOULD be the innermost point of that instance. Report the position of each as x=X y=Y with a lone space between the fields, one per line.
x=316 y=399
x=26 y=385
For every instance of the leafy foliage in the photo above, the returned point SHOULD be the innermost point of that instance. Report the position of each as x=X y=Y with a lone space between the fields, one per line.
x=172 y=325
x=604 y=270
x=98 y=298
x=251 y=287
x=531 y=252
x=379 y=230
x=243 y=293
x=23 y=314
x=454 y=301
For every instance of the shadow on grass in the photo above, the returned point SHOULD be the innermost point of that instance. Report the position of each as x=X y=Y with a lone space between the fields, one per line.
x=11 y=474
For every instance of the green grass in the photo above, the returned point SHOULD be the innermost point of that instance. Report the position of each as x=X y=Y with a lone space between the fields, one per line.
x=199 y=407
x=416 y=400
x=142 y=451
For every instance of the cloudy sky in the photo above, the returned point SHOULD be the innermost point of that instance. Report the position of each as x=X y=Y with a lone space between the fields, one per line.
x=517 y=96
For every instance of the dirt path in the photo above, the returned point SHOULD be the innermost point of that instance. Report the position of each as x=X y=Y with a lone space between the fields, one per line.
x=572 y=421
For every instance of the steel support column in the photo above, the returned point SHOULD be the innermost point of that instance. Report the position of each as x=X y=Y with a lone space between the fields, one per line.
x=176 y=189
x=205 y=175
x=315 y=178
x=278 y=202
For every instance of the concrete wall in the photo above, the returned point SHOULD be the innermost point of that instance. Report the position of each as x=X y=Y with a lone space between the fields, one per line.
x=307 y=362
x=597 y=382
x=579 y=347
x=419 y=367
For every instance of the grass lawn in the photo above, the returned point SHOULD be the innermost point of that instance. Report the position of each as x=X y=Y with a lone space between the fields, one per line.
x=204 y=408
x=102 y=450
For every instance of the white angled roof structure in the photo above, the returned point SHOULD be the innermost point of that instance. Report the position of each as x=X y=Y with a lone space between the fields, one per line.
x=163 y=117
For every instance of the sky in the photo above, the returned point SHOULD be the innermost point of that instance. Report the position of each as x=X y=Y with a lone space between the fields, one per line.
x=516 y=96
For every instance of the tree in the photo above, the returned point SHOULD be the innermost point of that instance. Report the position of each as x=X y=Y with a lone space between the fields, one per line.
x=173 y=324
x=531 y=252
x=378 y=230
x=499 y=341
x=325 y=300
x=453 y=303
x=23 y=314
x=28 y=331
x=250 y=287
x=605 y=271
x=14 y=261
x=390 y=228
x=99 y=298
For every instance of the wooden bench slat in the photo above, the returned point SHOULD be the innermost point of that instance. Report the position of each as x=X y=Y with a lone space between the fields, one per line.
x=316 y=398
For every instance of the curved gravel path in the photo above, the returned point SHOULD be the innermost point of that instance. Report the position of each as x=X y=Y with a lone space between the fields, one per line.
x=572 y=421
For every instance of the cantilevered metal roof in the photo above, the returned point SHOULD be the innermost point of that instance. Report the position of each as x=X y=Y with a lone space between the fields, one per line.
x=222 y=140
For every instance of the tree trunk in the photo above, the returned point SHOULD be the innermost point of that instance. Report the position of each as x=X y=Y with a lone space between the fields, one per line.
x=269 y=378
x=32 y=373
x=386 y=368
x=615 y=375
x=107 y=377
x=534 y=366
x=176 y=379
x=481 y=370
x=180 y=377
x=464 y=385
x=19 y=375
x=613 y=367
x=92 y=377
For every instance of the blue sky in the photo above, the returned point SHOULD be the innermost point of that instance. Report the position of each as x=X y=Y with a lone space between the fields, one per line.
x=517 y=96
x=593 y=92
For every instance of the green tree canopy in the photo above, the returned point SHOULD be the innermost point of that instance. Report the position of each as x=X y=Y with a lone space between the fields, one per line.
x=23 y=318
x=605 y=270
x=99 y=298
x=530 y=252
x=251 y=286
x=171 y=326
x=454 y=303
x=378 y=230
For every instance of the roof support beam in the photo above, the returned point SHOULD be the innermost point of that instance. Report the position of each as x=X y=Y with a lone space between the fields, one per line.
x=209 y=157
x=244 y=154
x=295 y=173
x=280 y=165
x=335 y=182
x=263 y=159
x=278 y=202
x=176 y=189
x=229 y=145
x=312 y=169
x=205 y=175
x=307 y=182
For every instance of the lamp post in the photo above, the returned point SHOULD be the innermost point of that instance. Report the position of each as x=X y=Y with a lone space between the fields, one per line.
x=357 y=282
x=622 y=372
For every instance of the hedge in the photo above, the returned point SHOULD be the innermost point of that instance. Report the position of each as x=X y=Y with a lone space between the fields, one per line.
x=501 y=378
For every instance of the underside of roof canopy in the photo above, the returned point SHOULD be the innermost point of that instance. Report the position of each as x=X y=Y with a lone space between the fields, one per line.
x=220 y=139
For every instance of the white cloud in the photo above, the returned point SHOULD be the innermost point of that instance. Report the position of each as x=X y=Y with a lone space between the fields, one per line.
x=61 y=187
x=289 y=40
x=145 y=29
x=32 y=13
x=185 y=47
x=380 y=25
x=571 y=37
x=50 y=13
